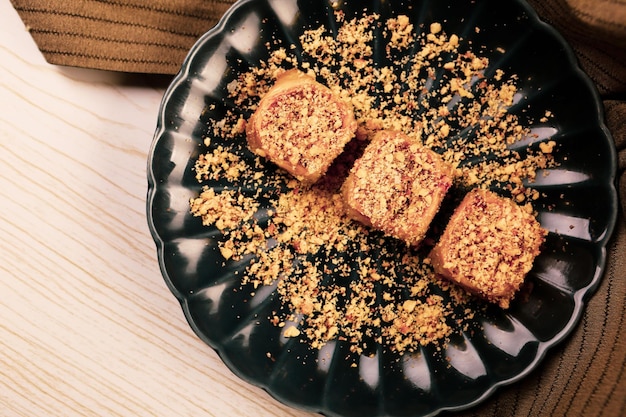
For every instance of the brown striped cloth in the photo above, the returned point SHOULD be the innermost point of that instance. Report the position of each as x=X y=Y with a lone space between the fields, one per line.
x=585 y=375
x=148 y=36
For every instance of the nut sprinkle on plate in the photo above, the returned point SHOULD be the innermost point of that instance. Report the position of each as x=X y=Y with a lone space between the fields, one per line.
x=338 y=279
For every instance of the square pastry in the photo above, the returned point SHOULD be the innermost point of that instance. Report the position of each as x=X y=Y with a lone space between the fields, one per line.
x=488 y=246
x=397 y=186
x=301 y=126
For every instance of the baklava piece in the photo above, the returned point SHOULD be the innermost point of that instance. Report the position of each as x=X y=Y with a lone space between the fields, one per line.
x=301 y=126
x=397 y=186
x=488 y=246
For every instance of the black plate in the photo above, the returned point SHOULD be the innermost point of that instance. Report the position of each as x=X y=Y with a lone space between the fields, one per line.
x=578 y=208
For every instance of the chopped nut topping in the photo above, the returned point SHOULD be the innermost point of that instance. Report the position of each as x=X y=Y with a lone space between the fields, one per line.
x=335 y=277
x=488 y=246
x=291 y=331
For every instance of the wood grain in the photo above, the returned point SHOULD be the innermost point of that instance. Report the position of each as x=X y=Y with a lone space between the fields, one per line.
x=87 y=324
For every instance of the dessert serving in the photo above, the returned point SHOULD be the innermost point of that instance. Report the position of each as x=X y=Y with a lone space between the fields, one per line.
x=300 y=125
x=352 y=169
x=488 y=246
x=325 y=305
x=397 y=186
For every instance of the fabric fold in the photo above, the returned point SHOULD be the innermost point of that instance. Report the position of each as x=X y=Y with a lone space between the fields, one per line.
x=130 y=36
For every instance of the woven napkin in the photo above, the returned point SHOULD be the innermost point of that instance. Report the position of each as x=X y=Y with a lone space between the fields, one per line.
x=585 y=375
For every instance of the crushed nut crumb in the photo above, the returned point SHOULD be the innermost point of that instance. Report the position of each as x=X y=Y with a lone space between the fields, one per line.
x=336 y=278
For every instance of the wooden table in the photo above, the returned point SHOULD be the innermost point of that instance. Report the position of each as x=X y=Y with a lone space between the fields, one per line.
x=87 y=324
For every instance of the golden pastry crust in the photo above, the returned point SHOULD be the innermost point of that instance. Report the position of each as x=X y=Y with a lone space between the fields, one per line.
x=301 y=126
x=397 y=186
x=488 y=246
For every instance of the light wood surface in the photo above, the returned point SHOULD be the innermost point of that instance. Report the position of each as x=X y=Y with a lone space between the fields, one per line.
x=87 y=325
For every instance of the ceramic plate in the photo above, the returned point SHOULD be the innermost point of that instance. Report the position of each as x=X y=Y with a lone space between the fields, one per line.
x=577 y=204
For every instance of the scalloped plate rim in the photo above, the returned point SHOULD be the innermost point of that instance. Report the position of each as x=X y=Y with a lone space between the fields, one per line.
x=580 y=296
